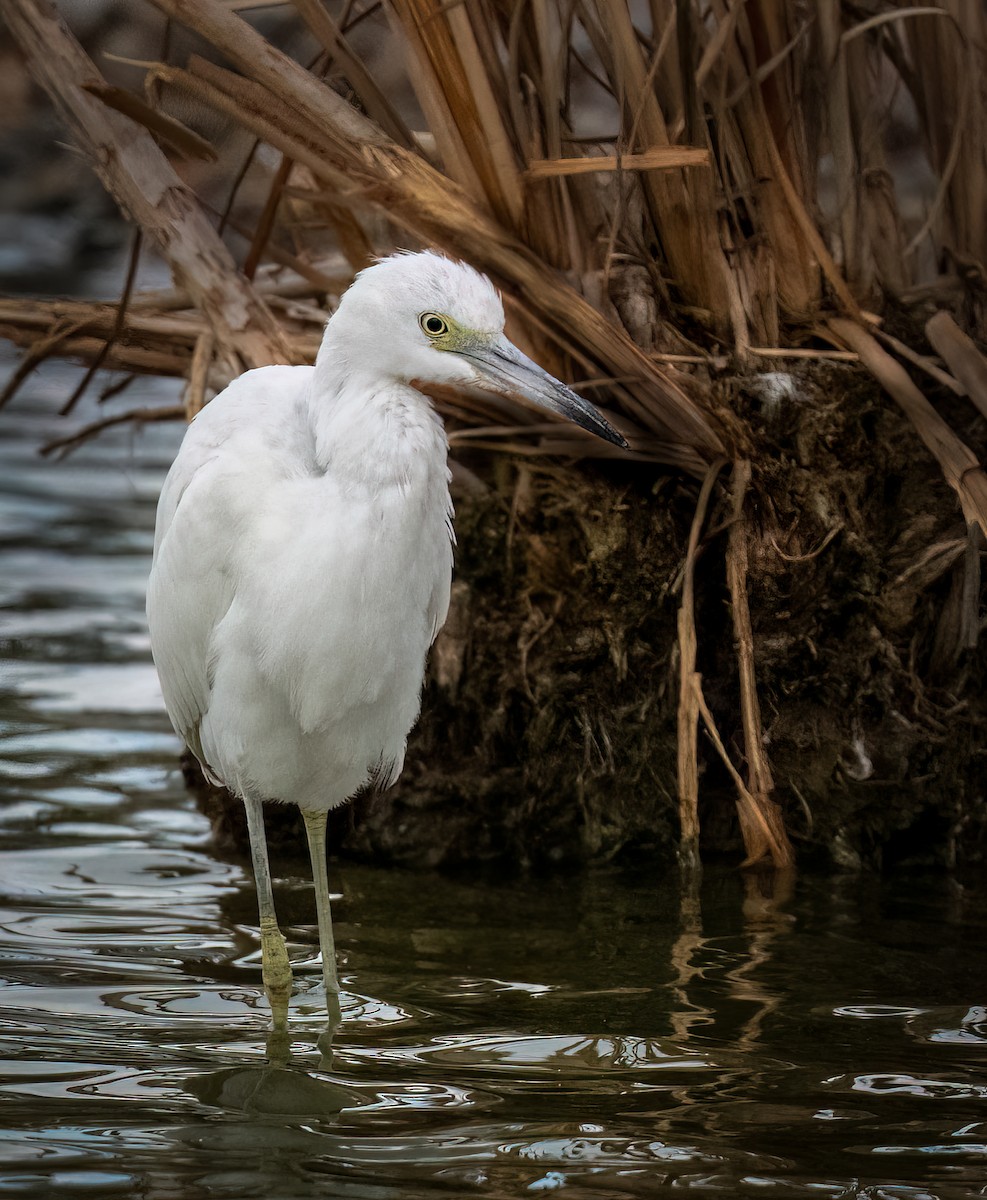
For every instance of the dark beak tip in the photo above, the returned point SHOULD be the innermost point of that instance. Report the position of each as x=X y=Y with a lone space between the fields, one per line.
x=613 y=436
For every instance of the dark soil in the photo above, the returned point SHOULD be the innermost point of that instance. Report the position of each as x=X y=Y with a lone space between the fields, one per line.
x=548 y=732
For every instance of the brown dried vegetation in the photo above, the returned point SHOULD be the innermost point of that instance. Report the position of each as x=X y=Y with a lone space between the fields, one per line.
x=672 y=196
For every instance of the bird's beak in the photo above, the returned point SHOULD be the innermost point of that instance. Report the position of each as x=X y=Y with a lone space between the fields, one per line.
x=503 y=368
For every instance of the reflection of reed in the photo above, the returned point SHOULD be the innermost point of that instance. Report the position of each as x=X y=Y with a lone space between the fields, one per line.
x=699 y=963
x=596 y=1053
x=686 y=960
x=766 y=895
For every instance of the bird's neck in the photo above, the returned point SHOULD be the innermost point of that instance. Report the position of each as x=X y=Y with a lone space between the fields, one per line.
x=372 y=430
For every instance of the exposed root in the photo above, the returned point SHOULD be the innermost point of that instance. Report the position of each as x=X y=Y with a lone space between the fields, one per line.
x=690 y=686
x=760 y=818
x=761 y=823
x=760 y=834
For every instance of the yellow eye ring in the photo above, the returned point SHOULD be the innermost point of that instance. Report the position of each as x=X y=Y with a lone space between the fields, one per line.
x=433 y=325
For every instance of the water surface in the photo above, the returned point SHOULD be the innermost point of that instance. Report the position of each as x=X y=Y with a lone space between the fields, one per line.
x=600 y=1035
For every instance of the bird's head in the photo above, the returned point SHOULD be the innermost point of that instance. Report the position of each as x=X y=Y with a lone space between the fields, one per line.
x=425 y=317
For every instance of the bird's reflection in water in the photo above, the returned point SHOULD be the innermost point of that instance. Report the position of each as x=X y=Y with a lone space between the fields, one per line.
x=273 y=1091
x=279 y=1087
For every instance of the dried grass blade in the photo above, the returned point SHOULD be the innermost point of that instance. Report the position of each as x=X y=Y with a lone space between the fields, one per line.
x=198 y=376
x=684 y=216
x=267 y=218
x=498 y=142
x=136 y=416
x=690 y=685
x=865 y=26
x=842 y=142
x=960 y=352
x=443 y=125
x=452 y=84
x=767 y=822
x=171 y=131
x=334 y=42
x=118 y=323
x=922 y=361
x=281 y=75
x=253 y=106
x=656 y=158
x=39 y=349
x=811 y=233
x=943 y=63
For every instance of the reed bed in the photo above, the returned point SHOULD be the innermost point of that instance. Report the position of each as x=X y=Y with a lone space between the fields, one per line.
x=663 y=191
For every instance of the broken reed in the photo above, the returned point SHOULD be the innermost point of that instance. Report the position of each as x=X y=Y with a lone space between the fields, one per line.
x=701 y=206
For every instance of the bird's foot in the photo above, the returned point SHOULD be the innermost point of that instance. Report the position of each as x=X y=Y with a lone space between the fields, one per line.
x=276 y=971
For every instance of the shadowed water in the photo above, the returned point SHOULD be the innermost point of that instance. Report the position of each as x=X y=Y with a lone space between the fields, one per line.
x=598 y=1034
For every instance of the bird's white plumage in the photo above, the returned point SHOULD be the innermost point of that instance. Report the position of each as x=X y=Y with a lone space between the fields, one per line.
x=303 y=558
x=303 y=552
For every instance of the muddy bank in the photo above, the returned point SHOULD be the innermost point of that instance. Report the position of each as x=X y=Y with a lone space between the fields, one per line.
x=548 y=732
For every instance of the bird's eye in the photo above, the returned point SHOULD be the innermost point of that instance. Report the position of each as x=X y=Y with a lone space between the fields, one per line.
x=434 y=325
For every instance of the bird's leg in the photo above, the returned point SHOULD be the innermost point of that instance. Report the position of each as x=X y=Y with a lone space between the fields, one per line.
x=274 y=953
x=315 y=829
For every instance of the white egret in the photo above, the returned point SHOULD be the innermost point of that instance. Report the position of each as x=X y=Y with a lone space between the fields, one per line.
x=303 y=557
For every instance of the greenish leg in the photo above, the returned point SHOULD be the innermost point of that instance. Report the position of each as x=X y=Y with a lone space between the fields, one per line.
x=274 y=953
x=315 y=829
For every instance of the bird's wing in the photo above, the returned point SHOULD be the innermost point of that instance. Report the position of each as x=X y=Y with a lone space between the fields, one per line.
x=188 y=595
x=386 y=773
x=200 y=516
x=438 y=605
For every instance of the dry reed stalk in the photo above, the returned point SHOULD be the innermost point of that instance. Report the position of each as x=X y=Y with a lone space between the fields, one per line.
x=879 y=261
x=334 y=42
x=945 y=56
x=656 y=158
x=134 y=416
x=682 y=215
x=453 y=85
x=690 y=686
x=97 y=317
x=961 y=354
x=759 y=834
x=960 y=465
x=165 y=128
x=556 y=214
x=134 y=339
x=842 y=142
x=346 y=149
x=287 y=285
x=138 y=359
x=198 y=374
x=922 y=361
x=23 y=320
x=760 y=818
x=761 y=822
x=305 y=195
x=764 y=164
x=134 y=170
